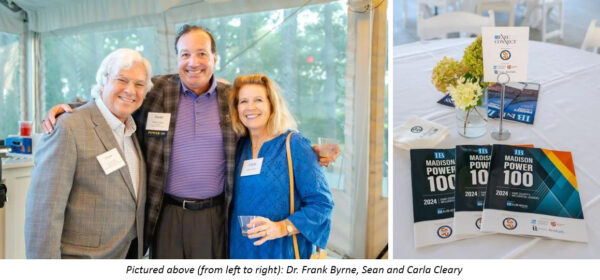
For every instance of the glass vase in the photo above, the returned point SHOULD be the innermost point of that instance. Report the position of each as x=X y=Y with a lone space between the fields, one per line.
x=472 y=123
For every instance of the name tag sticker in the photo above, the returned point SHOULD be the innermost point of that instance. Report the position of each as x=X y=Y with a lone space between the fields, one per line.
x=157 y=124
x=252 y=167
x=110 y=161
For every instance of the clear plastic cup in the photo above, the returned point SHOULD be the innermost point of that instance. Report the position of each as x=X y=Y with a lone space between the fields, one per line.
x=327 y=146
x=244 y=221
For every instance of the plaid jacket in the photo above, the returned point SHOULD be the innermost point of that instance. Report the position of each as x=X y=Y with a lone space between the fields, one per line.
x=164 y=98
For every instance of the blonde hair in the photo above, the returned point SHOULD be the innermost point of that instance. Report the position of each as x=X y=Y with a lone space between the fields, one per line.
x=280 y=119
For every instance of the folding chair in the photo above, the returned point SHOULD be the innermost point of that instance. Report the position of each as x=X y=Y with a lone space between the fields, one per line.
x=462 y=22
x=592 y=38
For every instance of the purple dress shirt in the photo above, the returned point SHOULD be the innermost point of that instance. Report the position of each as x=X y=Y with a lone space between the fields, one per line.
x=197 y=166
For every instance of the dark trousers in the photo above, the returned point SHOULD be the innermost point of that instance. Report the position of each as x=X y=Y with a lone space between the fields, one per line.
x=132 y=253
x=189 y=234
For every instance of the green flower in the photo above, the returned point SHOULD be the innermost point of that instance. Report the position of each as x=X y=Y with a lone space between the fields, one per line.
x=473 y=61
x=446 y=73
x=473 y=58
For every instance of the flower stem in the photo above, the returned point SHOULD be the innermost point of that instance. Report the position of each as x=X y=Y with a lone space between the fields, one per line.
x=466 y=120
x=479 y=114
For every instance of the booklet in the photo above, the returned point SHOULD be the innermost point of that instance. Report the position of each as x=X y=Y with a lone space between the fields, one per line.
x=472 y=173
x=472 y=163
x=520 y=101
x=533 y=191
x=433 y=177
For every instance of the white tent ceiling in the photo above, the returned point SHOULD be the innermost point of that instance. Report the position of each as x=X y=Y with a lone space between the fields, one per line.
x=40 y=4
x=52 y=15
x=10 y=21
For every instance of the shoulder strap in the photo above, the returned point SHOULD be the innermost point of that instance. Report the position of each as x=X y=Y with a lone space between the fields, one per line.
x=291 y=173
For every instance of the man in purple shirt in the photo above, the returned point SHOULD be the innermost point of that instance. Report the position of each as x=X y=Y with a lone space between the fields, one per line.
x=189 y=146
x=191 y=167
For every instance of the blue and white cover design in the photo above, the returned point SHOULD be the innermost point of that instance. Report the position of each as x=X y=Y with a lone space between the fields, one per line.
x=520 y=101
x=533 y=191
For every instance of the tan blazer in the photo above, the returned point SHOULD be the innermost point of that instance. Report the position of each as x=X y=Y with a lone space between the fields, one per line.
x=73 y=209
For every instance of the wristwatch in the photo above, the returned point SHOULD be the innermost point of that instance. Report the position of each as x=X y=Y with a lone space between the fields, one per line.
x=288 y=227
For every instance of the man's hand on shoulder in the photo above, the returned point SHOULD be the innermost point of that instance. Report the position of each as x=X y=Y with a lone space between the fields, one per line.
x=50 y=121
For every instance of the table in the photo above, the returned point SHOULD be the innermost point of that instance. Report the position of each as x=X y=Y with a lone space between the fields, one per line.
x=17 y=176
x=567 y=118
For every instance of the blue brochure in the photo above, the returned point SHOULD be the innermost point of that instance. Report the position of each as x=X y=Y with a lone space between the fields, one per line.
x=520 y=101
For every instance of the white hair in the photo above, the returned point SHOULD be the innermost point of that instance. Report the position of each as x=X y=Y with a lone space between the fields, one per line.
x=114 y=62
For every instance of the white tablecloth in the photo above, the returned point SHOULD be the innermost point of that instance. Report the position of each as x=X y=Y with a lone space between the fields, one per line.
x=567 y=118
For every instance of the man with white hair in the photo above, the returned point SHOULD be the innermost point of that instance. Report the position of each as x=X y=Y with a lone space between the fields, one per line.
x=92 y=204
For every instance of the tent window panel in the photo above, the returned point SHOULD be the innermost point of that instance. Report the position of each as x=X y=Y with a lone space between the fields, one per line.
x=71 y=61
x=384 y=186
x=10 y=84
x=302 y=49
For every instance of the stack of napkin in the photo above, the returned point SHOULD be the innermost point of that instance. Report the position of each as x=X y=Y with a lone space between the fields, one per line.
x=417 y=133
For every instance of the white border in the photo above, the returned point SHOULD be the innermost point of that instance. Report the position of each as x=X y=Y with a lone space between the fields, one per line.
x=565 y=228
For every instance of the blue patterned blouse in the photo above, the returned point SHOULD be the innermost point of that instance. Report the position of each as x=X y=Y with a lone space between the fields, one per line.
x=267 y=195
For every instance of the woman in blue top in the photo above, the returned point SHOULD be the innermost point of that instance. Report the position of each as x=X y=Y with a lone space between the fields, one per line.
x=260 y=116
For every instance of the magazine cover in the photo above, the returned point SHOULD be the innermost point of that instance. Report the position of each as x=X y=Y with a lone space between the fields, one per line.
x=433 y=178
x=522 y=109
x=533 y=191
x=520 y=101
x=472 y=164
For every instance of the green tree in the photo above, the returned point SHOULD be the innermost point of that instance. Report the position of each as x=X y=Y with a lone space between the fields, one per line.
x=10 y=84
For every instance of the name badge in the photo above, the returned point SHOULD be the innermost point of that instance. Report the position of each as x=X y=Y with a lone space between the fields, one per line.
x=110 y=161
x=157 y=124
x=252 y=167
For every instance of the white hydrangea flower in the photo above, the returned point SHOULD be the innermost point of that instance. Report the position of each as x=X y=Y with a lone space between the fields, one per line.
x=465 y=94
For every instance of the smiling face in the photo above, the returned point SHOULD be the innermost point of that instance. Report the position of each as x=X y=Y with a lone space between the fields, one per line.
x=195 y=60
x=254 y=108
x=124 y=92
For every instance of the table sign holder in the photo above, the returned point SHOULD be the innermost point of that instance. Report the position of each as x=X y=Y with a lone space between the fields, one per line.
x=505 y=55
x=501 y=133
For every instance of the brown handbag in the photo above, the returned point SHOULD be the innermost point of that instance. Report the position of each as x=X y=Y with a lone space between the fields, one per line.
x=320 y=253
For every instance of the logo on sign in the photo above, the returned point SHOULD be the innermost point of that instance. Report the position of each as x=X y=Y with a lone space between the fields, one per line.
x=503 y=39
x=505 y=55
